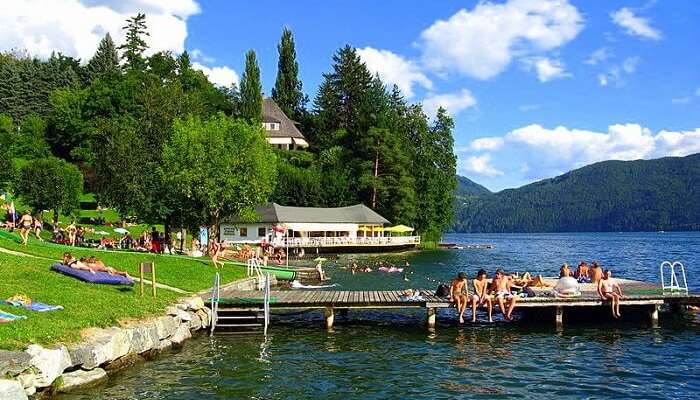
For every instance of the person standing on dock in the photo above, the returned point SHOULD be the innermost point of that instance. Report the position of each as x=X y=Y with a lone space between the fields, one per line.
x=501 y=285
x=459 y=294
x=606 y=290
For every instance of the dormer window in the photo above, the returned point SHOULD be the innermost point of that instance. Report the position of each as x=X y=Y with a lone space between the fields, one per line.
x=271 y=126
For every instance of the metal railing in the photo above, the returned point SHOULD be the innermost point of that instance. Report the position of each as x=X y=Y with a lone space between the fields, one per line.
x=674 y=284
x=267 y=302
x=253 y=269
x=215 y=298
x=349 y=241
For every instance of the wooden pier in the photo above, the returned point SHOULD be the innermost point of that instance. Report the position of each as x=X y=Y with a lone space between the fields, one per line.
x=637 y=294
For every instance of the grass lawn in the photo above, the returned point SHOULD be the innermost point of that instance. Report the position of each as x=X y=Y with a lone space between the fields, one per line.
x=85 y=304
x=182 y=272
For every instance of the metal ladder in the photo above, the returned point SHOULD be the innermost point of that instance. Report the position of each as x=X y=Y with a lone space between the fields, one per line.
x=674 y=285
x=215 y=298
x=255 y=270
x=240 y=320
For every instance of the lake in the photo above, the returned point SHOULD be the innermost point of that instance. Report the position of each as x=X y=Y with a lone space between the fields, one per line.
x=382 y=355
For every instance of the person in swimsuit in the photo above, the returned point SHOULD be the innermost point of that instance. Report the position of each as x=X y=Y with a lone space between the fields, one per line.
x=25 y=225
x=91 y=264
x=609 y=289
x=581 y=273
x=481 y=295
x=72 y=230
x=218 y=249
x=565 y=271
x=501 y=285
x=37 y=227
x=595 y=273
x=458 y=296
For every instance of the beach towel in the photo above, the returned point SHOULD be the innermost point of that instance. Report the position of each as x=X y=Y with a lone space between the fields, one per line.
x=97 y=277
x=7 y=317
x=35 y=306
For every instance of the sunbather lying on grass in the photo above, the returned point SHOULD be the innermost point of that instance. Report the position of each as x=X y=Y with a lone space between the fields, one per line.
x=91 y=264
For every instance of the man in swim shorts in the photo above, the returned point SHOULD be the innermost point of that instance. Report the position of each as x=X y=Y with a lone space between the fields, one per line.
x=609 y=289
x=458 y=296
x=501 y=286
x=596 y=272
x=481 y=295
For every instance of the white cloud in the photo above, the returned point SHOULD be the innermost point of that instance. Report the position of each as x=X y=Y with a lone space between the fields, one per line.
x=486 y=143
x=546 y=68
x=482 y=42
x=394 y=69
x=221 y=76
x=681 y=100
x=480 y=165
x=598 y=56
x=617 y=73
x=453 y=102
x=75 y=28
x=548 y=152
x=199 y=55
x=635 y=25
x=603 y=79
x=629 y=65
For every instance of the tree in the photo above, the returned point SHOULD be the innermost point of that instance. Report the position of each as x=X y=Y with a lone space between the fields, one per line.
x=219 y=167
x=135 y=45
x=251 y=90
x=51 y=184
x=287 y=91
x=105 y=62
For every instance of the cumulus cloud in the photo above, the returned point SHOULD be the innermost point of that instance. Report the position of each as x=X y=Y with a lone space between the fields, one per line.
x=483 y=41
x=452 y=102
x=548 y=152
x=546 y=68
x=480 y=165
x=75 y=27
x=199 y=55
x=394 y=69
x=617 y=73
x=486 y=143
x=221 y=76
x=598 y=56
x=634 y=25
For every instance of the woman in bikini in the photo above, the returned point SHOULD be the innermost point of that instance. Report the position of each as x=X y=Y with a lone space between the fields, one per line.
x=91 y=264
x=72 y=230
x=25 y=226
x=607 y=288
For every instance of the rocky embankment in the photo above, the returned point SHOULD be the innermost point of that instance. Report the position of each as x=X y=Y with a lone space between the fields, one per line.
x=39 y=370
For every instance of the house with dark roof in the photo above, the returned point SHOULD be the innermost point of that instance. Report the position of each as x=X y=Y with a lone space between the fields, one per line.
x=281 y=131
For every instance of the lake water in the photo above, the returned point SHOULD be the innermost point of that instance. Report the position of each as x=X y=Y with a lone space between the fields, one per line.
x=382 y=355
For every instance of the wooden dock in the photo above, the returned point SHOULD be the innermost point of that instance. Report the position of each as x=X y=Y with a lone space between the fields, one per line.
x=638 y=294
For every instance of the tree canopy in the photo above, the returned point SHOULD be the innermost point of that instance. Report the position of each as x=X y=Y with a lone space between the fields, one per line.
x=50 y=184
x=251 y=104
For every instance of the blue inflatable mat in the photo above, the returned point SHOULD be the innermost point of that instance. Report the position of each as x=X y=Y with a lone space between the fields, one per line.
x=87 y=276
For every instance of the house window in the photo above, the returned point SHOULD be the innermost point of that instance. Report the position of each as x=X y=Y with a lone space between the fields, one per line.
x=243 y=232
x=275 y=126
x=262 y=232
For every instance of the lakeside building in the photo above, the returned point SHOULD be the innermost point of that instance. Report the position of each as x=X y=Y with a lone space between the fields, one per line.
x=340 y=229
x=281 y=131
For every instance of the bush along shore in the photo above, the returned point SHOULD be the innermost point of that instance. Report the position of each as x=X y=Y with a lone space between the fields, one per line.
x=43 y=371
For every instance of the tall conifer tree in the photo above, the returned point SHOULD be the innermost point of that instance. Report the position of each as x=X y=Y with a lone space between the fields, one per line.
x=135 y=44
x=287 y=91
x=251 y=90
x=105 y=62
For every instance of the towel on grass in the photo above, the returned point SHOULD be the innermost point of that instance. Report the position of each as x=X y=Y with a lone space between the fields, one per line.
x=35 y=306
x=7 y=317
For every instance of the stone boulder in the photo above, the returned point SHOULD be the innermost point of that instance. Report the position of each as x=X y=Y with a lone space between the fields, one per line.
x=164 y=345
x=177 y=312
x=181 y=334
x=13 y=362
x=143 y=337
x=166 y=326
x=81 y=378
x=11 y=390
x=49 y=364
x=204 y=317
x=28 y=382
x=195 y=321
x=192 y=303
x=100 y=346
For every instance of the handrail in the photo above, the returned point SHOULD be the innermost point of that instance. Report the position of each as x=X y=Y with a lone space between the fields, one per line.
x=674 y=283
x=267 y=302
x=347 y=241
x=215 y=298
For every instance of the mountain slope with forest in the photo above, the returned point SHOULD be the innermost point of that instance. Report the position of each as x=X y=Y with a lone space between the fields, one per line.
x=467 y=187
x=642 y=195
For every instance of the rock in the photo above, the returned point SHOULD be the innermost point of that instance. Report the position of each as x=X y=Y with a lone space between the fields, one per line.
x=193 y=303
x=81 y=378
x=101 y=346
x=164 y=345
x=13 y=362
x=166 y=326
x=178 y=312
x=49 y=364
x=204 y=317
x=195 y=322
x=181 y=334
x=143 y=337
x=123 y=362
x=11 y=390
x=28 y=382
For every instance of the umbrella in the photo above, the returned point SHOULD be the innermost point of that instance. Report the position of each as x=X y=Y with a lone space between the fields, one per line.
x=364 y=229
x=399 y=229
x=121 y=230
x=279 y=228
x=320 y=259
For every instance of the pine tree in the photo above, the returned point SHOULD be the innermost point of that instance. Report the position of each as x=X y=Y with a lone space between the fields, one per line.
x=135 y=45
x=105 y=62
x=251 y=90
x=287 y=91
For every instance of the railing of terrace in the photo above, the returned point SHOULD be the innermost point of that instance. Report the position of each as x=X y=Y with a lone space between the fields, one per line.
x=349 y=241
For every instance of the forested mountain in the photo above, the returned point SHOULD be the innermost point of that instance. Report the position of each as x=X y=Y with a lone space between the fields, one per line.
x=467 y=187
x=643 y=195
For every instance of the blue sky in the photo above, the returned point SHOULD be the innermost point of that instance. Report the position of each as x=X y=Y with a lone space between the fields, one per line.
x=536 y=87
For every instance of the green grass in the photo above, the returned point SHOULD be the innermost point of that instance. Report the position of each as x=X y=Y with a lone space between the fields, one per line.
x=86 y=305
x=182 y=272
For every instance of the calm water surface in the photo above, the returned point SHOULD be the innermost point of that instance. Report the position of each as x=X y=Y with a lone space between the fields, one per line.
x=381 y=355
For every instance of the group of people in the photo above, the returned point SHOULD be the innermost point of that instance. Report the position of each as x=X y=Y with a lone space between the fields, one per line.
x=500 y=287
x=27 y=224
x=91 y=264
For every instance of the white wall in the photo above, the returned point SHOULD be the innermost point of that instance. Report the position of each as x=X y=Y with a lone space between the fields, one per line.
x=232 y=233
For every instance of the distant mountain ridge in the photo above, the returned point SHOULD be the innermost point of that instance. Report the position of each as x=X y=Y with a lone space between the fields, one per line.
x=642 y=195
x=467 y=187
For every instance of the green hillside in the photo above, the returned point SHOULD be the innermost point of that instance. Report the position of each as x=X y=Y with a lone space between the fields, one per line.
x=467 y=187
x=643 y=195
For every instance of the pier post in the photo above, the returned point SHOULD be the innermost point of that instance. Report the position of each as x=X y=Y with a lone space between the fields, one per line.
x=330 y=316
x=654 y=315
x=432 y=317
x=559 y=317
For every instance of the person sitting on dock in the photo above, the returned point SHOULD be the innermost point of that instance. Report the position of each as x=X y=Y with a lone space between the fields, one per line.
x=581 y=273
x=501 y=285
x=526 y=280
x=565 y=271
x=606 y=290
x=481 y=295
x=459 y=294
x=595 y=272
